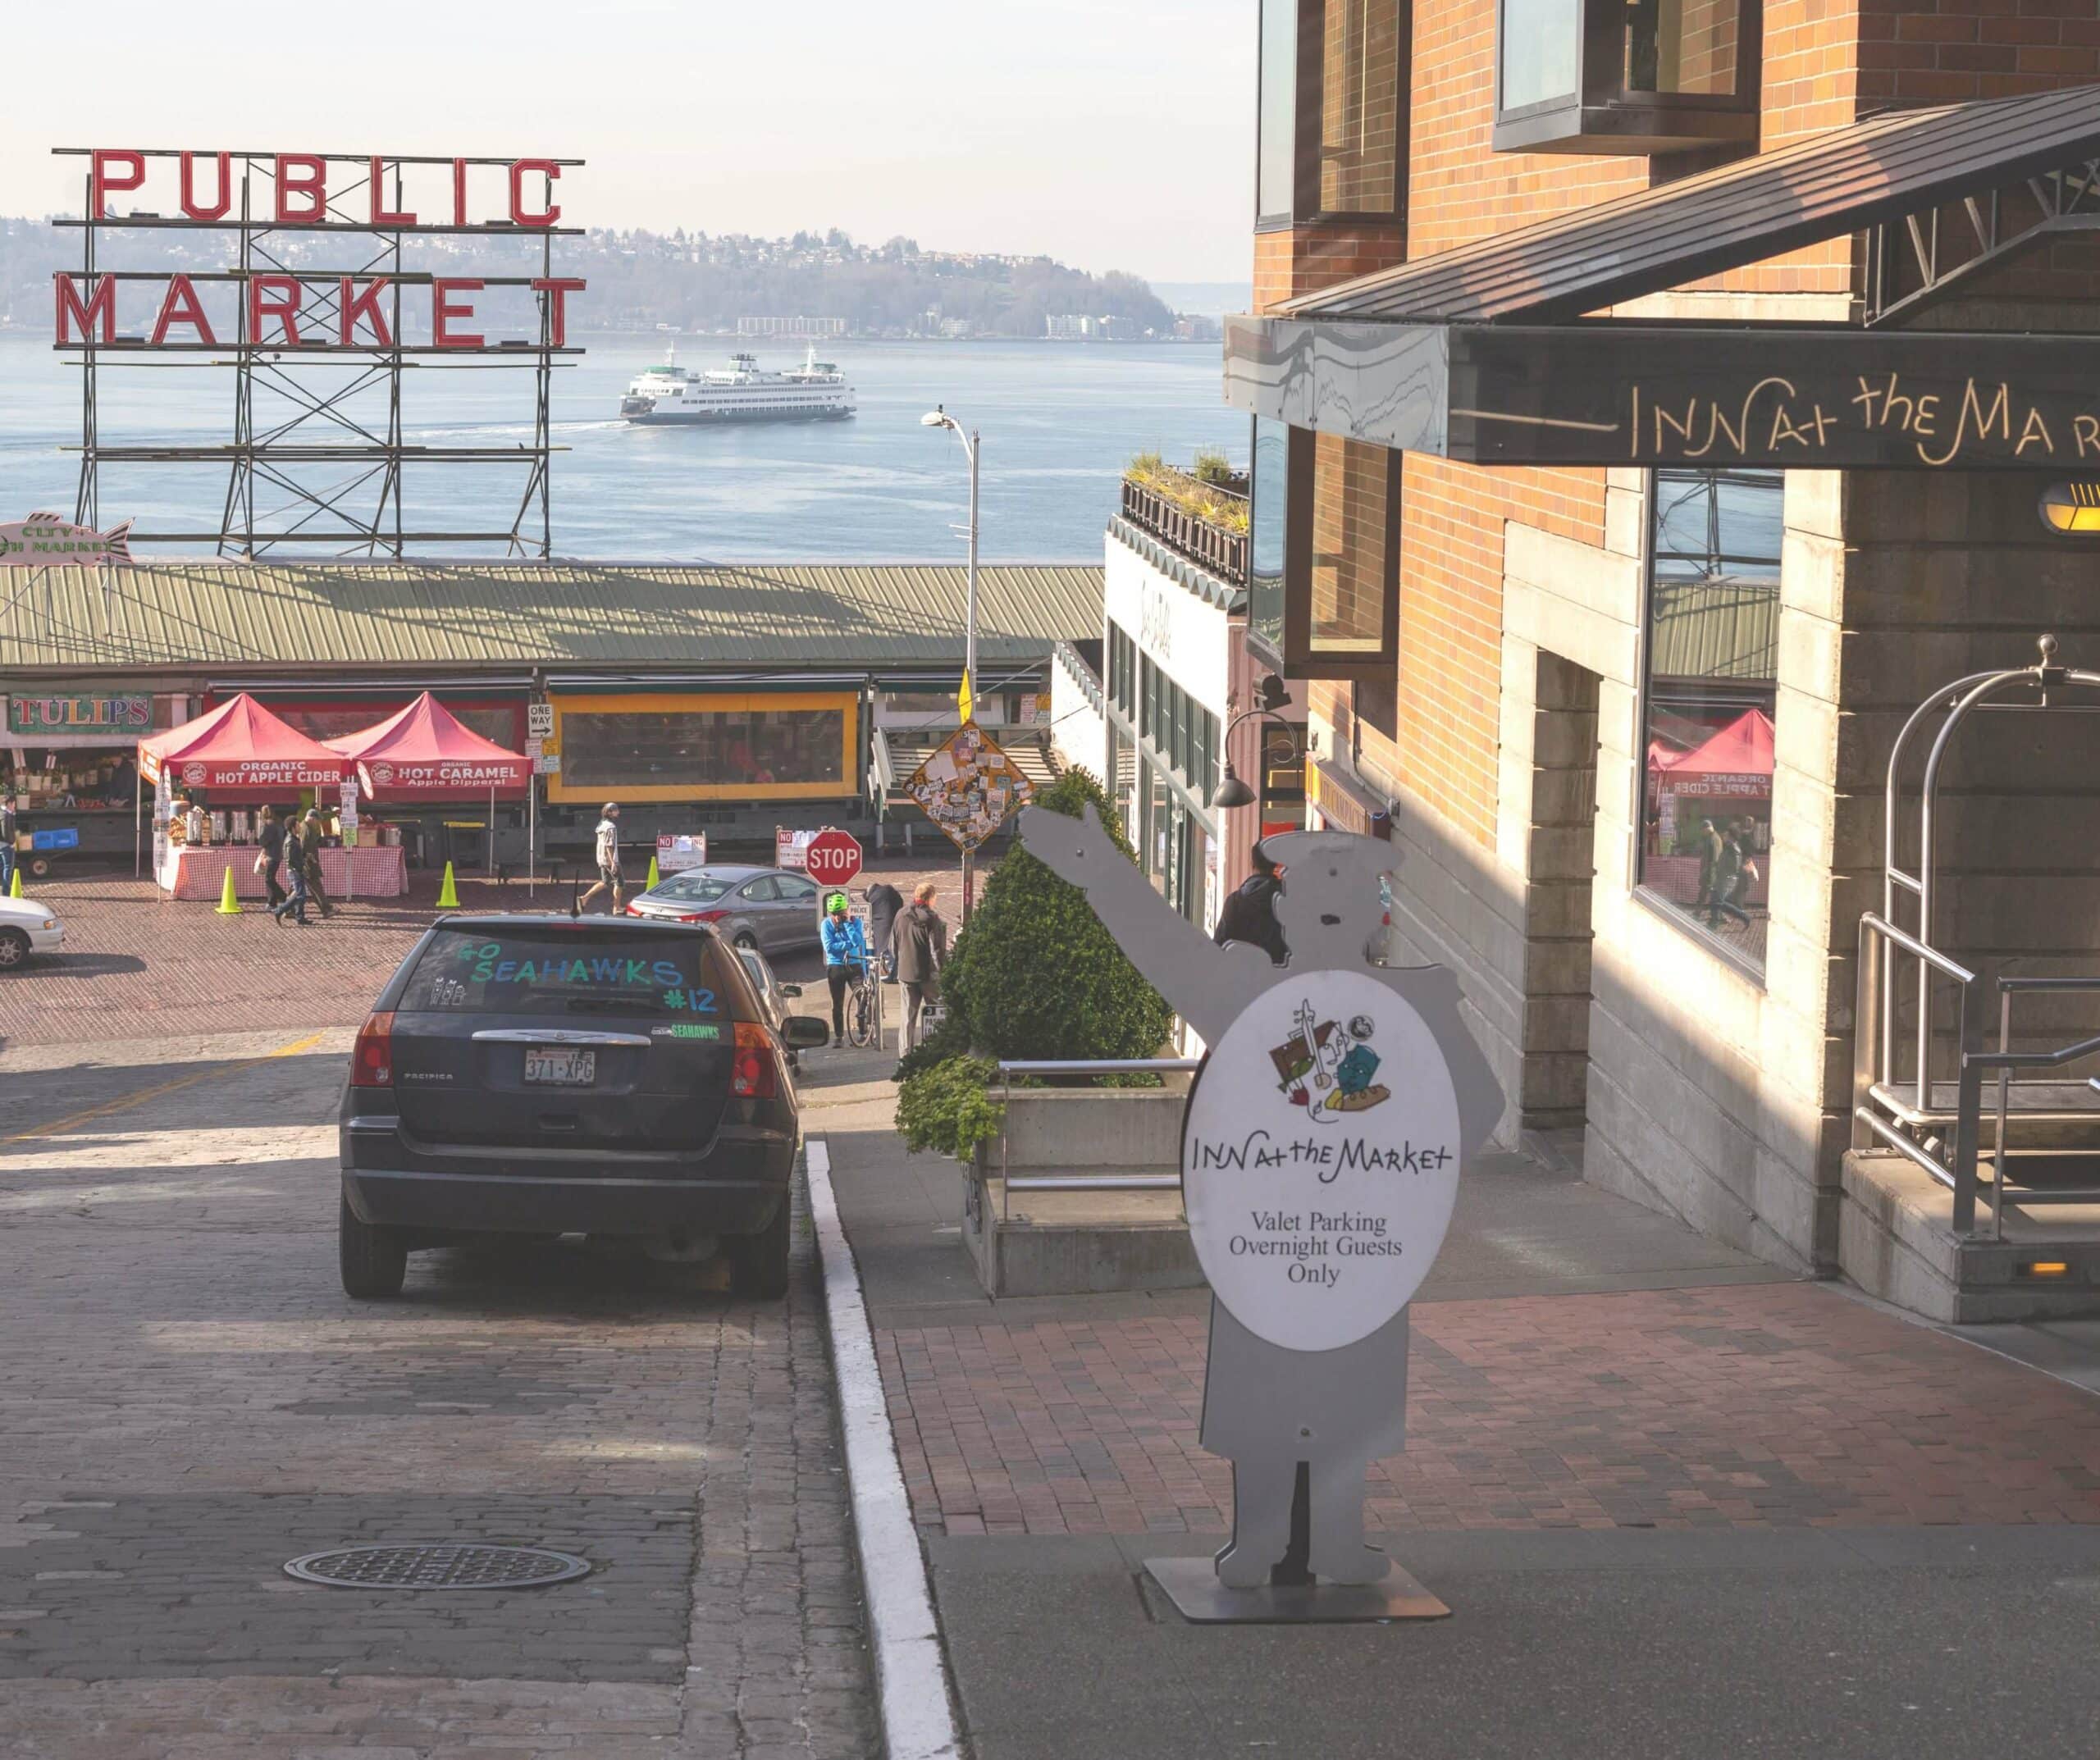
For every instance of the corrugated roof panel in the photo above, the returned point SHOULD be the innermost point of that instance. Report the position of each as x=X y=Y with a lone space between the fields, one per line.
x=227 y=613
x=1821 y=188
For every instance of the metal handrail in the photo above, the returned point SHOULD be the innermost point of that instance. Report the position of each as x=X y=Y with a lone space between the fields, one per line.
x=2007 y=988
x=1009 y=1068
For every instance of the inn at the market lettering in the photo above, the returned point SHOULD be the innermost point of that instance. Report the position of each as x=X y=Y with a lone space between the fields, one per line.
x=1610 y=393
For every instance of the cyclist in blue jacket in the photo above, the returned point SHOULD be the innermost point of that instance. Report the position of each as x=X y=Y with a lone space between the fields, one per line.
x=845 y=959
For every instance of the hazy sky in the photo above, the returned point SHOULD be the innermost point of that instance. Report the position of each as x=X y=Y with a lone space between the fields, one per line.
x=1111 y=135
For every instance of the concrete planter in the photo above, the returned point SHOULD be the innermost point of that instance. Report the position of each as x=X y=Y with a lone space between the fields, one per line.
x=1074 y=1243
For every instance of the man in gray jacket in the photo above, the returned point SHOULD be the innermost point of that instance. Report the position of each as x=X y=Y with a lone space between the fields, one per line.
x=921 y=942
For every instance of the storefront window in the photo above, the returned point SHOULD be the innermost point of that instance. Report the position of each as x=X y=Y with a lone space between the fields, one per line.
x=1265 y=549
x=1712 y=696
x=702 y=749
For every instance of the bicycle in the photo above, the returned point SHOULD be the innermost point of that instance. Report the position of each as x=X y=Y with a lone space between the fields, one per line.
x=863 y=1008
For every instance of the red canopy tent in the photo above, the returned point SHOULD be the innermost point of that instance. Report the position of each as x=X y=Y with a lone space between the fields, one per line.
x=425 y=753
x=1736 y=760
x=240 y=744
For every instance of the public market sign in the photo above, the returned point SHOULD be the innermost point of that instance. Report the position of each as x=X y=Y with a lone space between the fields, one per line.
x=309 y=192
x=57 y=716
x=1320 y=1159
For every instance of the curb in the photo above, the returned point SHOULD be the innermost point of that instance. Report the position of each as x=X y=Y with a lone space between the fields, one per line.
x=911 y=1677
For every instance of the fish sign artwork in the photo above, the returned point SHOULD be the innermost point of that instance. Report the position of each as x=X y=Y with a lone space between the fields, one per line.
x=50 y=541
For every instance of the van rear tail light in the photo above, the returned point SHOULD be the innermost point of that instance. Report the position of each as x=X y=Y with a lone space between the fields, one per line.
x=755 y=1068
x=371 y=1058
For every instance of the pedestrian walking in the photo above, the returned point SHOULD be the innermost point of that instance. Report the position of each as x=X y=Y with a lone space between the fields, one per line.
x=1728 y=881
x=1709 y=862
x=845 y=958
x=292 y=903
x=309 y=862
x=884 y=902
x=7 y=846
x=608 y=852
x=1250 y=913
x=270 y=836
x=922 y=949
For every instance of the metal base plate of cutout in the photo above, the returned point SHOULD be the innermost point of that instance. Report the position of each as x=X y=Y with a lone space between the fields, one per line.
x=436 y=1567
x=1194 y=1586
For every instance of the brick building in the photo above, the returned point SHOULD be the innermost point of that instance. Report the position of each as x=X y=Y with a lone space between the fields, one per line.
x=1651 y=406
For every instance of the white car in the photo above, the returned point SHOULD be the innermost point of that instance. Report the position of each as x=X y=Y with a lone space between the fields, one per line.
x=27 y=926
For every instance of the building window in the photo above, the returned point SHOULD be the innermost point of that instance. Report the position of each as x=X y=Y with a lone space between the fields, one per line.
x=1268 y=481
x=1342 y=549
x=1625 y=76
x=1276 y=150
x=702 y=754
x=1713 y=639
x=1333 y=110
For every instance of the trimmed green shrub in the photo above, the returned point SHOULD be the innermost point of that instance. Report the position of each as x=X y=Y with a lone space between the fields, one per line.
x=948 y=1107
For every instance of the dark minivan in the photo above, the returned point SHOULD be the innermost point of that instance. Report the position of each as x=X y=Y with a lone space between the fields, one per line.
x=550 y=1075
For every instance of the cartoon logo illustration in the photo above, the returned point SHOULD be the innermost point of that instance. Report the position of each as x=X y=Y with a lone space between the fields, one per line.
x=382 y=775
x=193 y=775
x=1326 y=1068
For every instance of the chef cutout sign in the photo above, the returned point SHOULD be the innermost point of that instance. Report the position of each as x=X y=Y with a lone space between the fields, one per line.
x=1320 y=1159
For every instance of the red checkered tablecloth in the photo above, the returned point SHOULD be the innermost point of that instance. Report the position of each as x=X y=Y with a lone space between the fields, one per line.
x=200 y=872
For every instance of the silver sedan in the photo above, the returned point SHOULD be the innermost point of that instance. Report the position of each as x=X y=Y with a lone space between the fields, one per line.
x=770 y=908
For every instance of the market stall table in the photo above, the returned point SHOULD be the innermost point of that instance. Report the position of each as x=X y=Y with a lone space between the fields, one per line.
x=200 y=870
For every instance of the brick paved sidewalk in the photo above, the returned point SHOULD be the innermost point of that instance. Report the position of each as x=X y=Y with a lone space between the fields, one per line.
x=160 y=966
x=1766 y=1406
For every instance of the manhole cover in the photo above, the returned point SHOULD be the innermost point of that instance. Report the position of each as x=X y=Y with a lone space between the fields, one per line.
x=436 y=1567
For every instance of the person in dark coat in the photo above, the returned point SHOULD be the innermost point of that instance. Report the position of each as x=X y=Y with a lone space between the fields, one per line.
x=270 y=835
x=1250 y=913
x=309 y=862
x=884 y=902
x=922 y=950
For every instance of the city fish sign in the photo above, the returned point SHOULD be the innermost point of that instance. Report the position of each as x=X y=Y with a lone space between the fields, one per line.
x=307 y=192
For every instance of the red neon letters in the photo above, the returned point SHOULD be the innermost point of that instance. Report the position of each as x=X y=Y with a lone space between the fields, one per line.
x=173 y=188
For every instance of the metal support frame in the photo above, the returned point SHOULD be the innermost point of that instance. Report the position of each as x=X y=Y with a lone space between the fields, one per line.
x=1985 y=231
x=1908 y=1114
x=295 y=409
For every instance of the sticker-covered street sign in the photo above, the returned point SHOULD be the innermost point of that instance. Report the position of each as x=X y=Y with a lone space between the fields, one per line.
x=1320 y=1159
x=968 y=786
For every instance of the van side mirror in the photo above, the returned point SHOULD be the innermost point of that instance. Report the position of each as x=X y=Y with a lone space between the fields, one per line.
x=791 y=990
x=805 y=1032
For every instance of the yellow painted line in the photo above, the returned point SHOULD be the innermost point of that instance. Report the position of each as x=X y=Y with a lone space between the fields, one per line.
x=144 y=1094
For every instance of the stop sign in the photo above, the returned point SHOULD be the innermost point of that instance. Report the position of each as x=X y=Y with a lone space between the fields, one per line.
x=835 y=858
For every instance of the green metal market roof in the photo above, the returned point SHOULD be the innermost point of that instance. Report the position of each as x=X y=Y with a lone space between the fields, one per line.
x=232 y=614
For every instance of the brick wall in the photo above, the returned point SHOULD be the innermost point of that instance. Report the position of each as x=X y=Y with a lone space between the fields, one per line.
x=1307 y=258
x=1937 y=51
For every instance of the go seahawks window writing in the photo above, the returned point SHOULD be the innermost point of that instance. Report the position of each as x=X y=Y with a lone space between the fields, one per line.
x=461 y=970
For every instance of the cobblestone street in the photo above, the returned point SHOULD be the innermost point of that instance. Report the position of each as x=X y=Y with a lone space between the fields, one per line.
x=190 y=1400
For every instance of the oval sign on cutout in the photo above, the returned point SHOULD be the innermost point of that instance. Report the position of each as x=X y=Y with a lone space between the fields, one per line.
x=833 y=857
x=1320 y=1159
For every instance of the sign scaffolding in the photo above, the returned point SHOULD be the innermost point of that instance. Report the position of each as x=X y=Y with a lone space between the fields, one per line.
x=318 y=311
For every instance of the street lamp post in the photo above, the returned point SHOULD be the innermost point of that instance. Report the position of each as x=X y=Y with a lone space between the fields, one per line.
x=938 y=417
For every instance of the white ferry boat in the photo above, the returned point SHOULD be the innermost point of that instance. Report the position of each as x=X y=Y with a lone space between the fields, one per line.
x=815 y=391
